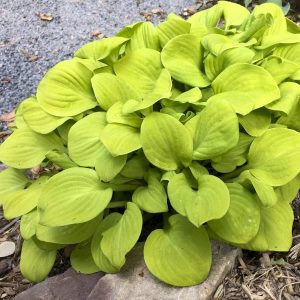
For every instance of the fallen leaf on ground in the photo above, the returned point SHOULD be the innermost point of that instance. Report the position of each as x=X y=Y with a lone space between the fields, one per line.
x=98 y=34
x=45 y=17
x=8 y=117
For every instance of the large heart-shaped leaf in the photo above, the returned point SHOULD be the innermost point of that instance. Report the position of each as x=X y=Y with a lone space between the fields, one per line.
x=153 y=198
x=289 y=95
x=119 y=239
x=21 y=202
x=11 y=180
x=140 y=69
x=182 y=57
x=82 y=260
x=172 y=27
x=106 y=50
x=274 y=157
x=84 y=139
x=208 y=201
x=68 y=234
x=179 y=242
x=236 y=156
x=246 y=87
x=66 y=89
x=39 y=120
x=142 y=35
x=26 y=148
x=62 y=204
x=214 y=130
x=214 y=65
x=120 y=139
x=108 y=166
x=28 y=224
x=265 y=193
x=256 y=122
x=241 y=222
x=110 y=89
x=165 y=141
x=99 y=258
x=289 y=191
x=36 y=263
x=275 y=231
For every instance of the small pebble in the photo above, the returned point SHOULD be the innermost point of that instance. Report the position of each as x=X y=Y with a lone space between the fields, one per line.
x=7 y=248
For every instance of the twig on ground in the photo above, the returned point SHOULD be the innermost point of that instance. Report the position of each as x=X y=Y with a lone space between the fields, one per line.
x=281 y=291
x=5 y=228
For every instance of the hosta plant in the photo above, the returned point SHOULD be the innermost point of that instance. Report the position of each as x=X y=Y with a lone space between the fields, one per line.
x=176 y=134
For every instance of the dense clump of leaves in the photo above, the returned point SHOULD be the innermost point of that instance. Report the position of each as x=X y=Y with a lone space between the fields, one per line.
x=194 y=119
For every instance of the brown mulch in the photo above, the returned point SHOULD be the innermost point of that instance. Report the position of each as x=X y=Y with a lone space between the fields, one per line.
x=11 y=280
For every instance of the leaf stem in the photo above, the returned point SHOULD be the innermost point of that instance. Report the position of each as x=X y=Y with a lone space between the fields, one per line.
x=116 y=204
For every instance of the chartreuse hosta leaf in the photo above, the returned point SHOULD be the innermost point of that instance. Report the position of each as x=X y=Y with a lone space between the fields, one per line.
x=26 y=148
x=153 y=198
x=21 y=202
x=136 y=167
x=280 y=68
x=84 y=139
x=62 y=204
x=68 y=234
x=265 y=193
x=241 y=222
x=120 y=139
x=275 y=230
x=191 y=96
x=66 y=89
x=166 y=143
x=182 y=57
x=246 y=87
x=161 y=89
x=256 y=122
x=28 y=224
x=39 y=120
x=214 y=65
x=208 y=201
x=183 y=243
x=60 y=159
x=120 y=238
x=289 y=96
x=236 y=156
x=82 y=260
x=110 y=89
x=35 y=262
x=140 y=69
x=172 y=27
x=115 y=114
x=289 y=191
x=216 y=44
x=214 y=130
x=142 y=35
x=11 y=180
x=274 y=157
x=197 y=169
x=108 y=166
x=99 y=258
x=106 y=50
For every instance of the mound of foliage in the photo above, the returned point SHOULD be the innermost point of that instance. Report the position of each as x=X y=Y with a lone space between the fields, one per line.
x=195 y=120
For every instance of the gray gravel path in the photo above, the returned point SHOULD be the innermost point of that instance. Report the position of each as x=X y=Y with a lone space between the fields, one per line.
x=30 y=46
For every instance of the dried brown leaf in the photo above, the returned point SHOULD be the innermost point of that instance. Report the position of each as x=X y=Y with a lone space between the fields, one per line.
x=45 y=17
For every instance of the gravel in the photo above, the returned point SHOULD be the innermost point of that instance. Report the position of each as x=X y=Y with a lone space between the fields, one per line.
x=30 y=46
